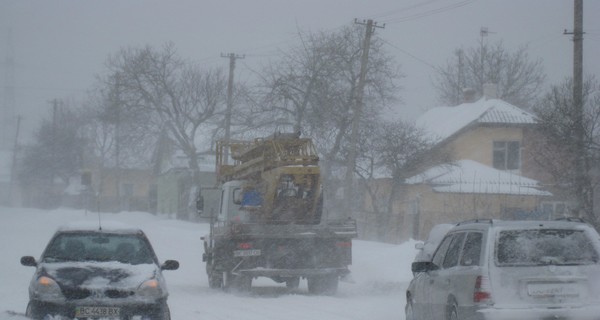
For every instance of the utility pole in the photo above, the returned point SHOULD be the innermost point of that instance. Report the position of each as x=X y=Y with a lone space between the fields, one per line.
x=582 y=186
x=13 y=170
x=483 y=32
x=357 y=114
x=117 y=171
x=461 y=76
x=54 y=146
x=7 y=110
x=232 y=57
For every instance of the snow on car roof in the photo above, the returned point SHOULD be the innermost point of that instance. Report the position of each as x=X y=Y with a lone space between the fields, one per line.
x=102 y=226
x=526 y=224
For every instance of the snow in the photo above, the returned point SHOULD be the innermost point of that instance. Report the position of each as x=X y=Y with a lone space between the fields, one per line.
x=468 y=176
x=442 y=122
x=380 y=272
x=95 y=224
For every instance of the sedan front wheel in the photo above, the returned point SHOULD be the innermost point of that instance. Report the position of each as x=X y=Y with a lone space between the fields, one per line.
x=410 y=315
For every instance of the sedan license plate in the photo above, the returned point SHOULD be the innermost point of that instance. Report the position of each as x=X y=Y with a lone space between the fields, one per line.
x=246 y=253
x=97 y=312
x=552 y=289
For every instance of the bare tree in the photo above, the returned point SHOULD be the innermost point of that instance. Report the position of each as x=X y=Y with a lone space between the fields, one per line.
x=113 y=128
x=336 y=97
x=290 y=83
x=170 y=94
x=393 y=149
x=56 y=153
x=558 y=155
x=518 y=79
x=313 y=88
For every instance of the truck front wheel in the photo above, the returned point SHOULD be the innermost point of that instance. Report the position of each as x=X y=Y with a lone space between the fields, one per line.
x=327 y=284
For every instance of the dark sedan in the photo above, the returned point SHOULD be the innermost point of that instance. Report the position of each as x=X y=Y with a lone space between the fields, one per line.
x=108 y=272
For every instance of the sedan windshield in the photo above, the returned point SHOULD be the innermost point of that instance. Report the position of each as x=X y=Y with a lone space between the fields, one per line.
x=544 y=247
x=125 y=248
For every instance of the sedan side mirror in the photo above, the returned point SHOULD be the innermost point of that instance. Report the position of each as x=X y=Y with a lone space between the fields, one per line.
x=170 y=265
x=423 y=266
x=28 y=261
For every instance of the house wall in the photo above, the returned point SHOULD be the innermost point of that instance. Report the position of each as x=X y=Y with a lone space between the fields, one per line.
x=477 y=143
x=168 y=193
x=423 y=208
x=141 y=181
x=136 y=189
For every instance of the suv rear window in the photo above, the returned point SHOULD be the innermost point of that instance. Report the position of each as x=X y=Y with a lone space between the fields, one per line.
x=544 y=247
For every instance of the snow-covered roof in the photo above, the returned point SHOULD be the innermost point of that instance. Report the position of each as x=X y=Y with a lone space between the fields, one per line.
x=468 y=176
x=442 y=122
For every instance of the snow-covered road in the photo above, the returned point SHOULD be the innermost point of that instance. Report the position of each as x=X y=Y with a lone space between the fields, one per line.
x=380 y=273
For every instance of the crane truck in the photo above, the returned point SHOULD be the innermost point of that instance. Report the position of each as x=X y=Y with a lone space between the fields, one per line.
x=270 y=219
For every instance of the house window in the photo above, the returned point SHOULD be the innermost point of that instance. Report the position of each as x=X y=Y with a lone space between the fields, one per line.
x=507 y=155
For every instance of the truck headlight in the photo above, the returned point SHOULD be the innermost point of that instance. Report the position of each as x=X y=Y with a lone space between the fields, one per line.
x=46 y=288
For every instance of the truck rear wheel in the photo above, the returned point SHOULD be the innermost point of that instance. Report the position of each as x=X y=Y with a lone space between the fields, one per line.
x=292 y=283
x=215 y=280
x=237 y=282
x=327 y=284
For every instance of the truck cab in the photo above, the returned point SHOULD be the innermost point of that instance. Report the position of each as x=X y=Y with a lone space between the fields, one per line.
x=230 y=206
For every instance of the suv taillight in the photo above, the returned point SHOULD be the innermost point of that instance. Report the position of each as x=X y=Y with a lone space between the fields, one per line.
x=482 y=293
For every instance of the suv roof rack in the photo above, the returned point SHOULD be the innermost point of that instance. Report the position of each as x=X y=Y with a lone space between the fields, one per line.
x=479 y=220
x=571 y=219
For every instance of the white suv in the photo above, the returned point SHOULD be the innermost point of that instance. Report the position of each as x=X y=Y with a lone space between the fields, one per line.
x=491 y=269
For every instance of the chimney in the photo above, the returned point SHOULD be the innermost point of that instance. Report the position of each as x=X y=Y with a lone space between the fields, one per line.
x=469 y=95
x=490 y=91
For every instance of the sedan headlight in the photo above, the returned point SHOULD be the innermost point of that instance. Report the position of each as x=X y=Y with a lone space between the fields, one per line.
x=46 y=289
x=150 y=288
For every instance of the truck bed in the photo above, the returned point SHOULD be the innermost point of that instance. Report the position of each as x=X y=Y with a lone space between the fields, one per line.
x=334 y=229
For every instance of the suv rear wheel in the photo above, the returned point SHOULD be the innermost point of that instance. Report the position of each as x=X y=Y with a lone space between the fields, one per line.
x=453 y=313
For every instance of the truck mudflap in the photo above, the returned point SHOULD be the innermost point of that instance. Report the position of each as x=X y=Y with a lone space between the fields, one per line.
x=264 y=272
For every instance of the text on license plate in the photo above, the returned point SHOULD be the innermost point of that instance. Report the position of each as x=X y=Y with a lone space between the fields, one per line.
x=552 y=289
x=97 y=312
x=246 y=253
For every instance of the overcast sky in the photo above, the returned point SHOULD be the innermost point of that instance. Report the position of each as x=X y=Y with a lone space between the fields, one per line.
x=58 y=46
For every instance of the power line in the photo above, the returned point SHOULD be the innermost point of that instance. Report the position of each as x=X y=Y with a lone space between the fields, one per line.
x=412 y=55
x=430 y=12
x=427 y=13
x=407 y=8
